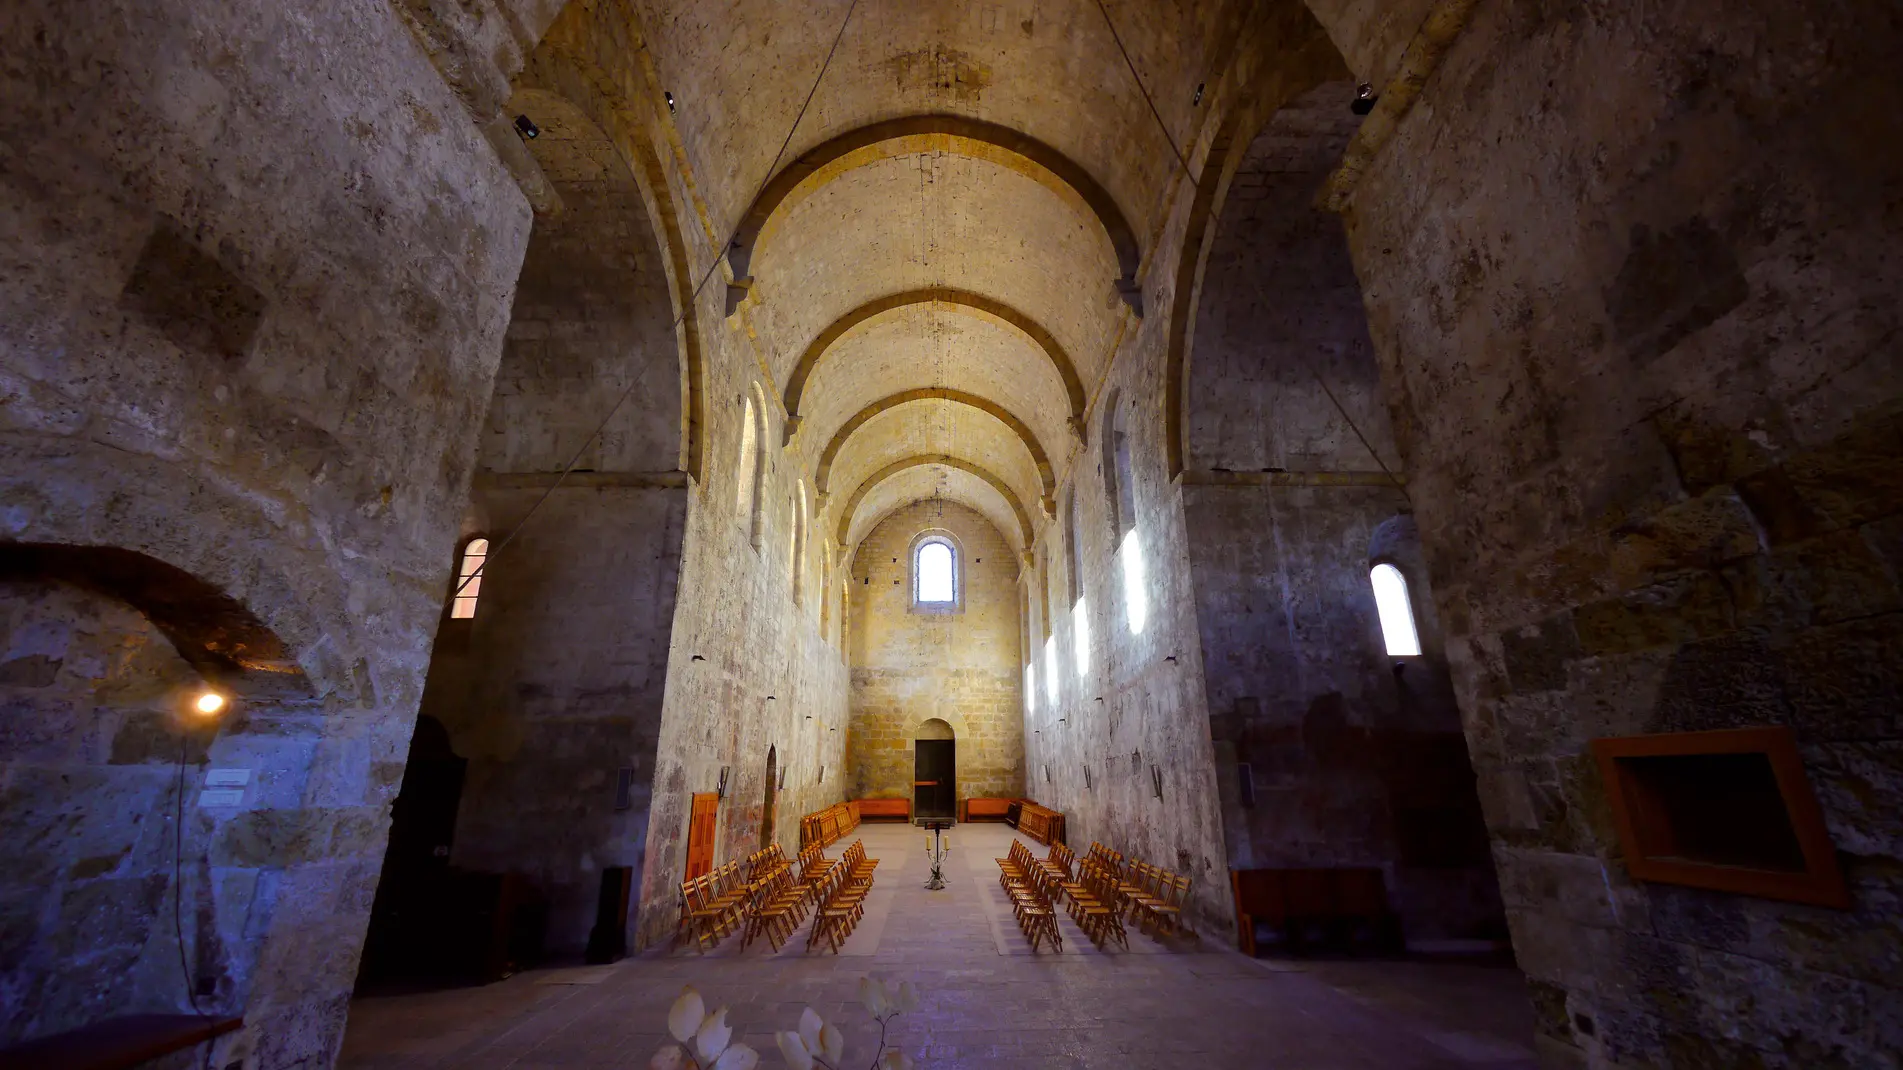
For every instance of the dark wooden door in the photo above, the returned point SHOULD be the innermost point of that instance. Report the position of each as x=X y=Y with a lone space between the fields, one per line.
x=701 y=825
x=934 y=789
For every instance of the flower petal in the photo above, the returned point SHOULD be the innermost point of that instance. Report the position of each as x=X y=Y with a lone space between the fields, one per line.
x=832 y=1043
x=810 y=1025
x=908 y=996
x=738 y=1057
x=668 y=1058
x=872 y=994
x=713 y=1036
x=684 y=1017
x=794 y=1050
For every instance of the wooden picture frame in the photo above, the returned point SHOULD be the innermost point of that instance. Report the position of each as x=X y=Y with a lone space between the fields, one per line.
x=1729 y=810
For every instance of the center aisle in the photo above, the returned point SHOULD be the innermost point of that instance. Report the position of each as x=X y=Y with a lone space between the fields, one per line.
x=985 y=1000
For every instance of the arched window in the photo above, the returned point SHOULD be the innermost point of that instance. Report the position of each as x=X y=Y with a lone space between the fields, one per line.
x=1397 y=611
x=744 y=475
x=934 y=573
x=469 y=579
x=1119 y=485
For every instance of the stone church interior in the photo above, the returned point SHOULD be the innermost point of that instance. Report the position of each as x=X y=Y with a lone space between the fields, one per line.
x=1222 y=533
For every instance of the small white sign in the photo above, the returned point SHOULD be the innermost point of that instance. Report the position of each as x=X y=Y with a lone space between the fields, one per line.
x=227 y=778
x=221 y=797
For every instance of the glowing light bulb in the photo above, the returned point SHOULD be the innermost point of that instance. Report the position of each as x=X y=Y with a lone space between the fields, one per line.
x=209 y=703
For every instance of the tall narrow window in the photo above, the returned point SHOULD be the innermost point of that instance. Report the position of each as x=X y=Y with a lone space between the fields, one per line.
x=744 y=473
x=799 y=543
x=935 y=574
x=1030 y=688
x=1397 y=612
x=1073 y=558
x=469 y=579
x=1119 y=485
x=1080 y=634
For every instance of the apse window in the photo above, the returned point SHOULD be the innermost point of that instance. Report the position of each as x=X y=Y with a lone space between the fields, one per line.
x=1397 y=612
x=469 y=579
x=935 y=575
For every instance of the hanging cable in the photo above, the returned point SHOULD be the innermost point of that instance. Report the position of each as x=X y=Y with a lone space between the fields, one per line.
x=719 y=254
x=1138 y=79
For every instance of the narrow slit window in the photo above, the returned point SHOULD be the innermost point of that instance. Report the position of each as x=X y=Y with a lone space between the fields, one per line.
x=935 y=574
x=1397 y=612
x=469 y=579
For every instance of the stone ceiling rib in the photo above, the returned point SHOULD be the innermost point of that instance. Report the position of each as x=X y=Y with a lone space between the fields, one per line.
x=866 y=485
x=823 y=472
x=963 y=301
x=954 y=133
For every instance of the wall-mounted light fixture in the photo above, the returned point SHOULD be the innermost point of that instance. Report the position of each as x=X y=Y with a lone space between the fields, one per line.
x=782 y=786
x=527 y=128
x=1156 y=780
x=670 y=101
x=721 y=791
x=1364 y=99
x=208 y=703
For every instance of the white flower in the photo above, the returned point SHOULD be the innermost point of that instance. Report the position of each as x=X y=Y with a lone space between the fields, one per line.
x=810 y=1025
x=908 y=996
x=872 y=994
x=894 y=1059
x=668 y=1058
x=738 y=1057
x=794 y=1049
x=712 y=1038
x=832 y=1043
x=684 y=1017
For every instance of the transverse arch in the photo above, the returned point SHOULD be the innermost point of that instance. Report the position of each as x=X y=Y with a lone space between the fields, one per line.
x=967 y=136
x=823 y=474
x=865 y=486
x=963 y=300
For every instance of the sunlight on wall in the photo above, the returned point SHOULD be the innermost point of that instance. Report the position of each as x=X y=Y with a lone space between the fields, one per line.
x=1136 y=596
x=1030 y=689
x=1050 y=670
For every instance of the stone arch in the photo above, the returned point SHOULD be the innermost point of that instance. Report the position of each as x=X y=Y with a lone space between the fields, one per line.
x=953 y=721
x=890 y=470
x=823 y=473
x=574 y=61
x=934 y=728
x=957 y=133
x=1308 y=59
x=961 y=300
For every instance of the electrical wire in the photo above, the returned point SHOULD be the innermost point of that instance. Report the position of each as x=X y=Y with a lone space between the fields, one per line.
x=1142 y=89
x=719 y=254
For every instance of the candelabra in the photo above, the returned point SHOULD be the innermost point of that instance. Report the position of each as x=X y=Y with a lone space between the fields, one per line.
x=936 y=848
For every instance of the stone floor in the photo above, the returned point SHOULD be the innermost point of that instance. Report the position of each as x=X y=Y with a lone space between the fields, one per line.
x=986 y=1002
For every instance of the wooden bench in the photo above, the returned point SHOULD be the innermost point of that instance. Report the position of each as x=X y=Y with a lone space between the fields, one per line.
x=825 y=827
x=1044 y=825
x=985 y=809
x=884 y=809
x=1315 y=908
x=116 y=1043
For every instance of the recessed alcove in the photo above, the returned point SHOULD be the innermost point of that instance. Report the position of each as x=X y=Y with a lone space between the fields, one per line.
x=1727 y=810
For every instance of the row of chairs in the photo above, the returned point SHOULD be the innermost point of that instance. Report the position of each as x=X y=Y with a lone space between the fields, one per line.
x=843 y=895
x=1153 y=896
x=830 y=825
x=712 y=905
x=1094 y=903
x=1031 y=888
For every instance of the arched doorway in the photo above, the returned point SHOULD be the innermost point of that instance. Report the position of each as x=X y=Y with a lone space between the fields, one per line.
x=405 y=931
x=772 y=784
x=935 y=771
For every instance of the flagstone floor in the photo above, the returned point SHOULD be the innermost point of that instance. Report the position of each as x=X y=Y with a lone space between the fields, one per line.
x=985 y=1000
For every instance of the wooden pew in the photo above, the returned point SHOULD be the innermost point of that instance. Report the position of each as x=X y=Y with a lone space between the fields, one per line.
x=985 y=809
x=1333 y=908
x=884 y=809
x=1044 y=825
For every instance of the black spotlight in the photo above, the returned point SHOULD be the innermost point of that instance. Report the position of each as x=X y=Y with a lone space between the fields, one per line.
x=1198 y=99
x=670 y=101
x=1364 y=99
x=527 y=128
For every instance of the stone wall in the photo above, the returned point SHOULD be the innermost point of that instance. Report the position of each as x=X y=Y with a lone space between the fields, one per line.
x=911 y=665
x=1354 y=758
x=1638 y=324
x=253 y=296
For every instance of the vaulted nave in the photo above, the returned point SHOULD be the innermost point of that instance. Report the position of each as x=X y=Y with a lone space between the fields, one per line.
x=1374 y=528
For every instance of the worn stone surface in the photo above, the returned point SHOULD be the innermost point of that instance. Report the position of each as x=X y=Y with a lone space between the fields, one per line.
x=912 y=665
x=1650 y=469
